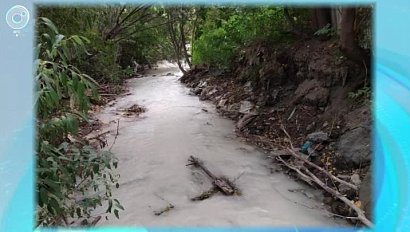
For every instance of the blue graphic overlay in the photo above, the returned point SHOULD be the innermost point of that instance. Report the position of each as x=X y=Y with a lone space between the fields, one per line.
x=391 y=112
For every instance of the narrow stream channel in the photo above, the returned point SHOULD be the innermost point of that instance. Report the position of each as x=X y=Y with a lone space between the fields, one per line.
x=153 y=150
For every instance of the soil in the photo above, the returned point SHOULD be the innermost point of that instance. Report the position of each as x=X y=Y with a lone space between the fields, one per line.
x=299 y=88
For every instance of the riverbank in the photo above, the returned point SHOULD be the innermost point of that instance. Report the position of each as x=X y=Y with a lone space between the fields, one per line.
x=305 y=95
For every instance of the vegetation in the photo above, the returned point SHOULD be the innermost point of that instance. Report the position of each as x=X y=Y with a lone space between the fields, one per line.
x=78 y=49
x=72 y=178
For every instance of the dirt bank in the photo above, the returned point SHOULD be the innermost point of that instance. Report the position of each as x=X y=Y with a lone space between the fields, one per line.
x=306 y=94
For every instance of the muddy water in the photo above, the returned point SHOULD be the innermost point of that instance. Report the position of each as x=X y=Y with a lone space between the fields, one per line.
x=153 y=150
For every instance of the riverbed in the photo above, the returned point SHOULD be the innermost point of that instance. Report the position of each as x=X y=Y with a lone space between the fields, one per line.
x=153 y=150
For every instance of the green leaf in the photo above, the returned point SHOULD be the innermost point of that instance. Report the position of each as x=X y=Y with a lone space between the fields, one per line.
x=55 y=206
x=96 y=168
x=118 y=205
x=109 y=206
x=49 y=24
x=43 y=198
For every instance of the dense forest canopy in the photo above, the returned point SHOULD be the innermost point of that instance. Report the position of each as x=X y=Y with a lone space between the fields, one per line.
x=80 y=48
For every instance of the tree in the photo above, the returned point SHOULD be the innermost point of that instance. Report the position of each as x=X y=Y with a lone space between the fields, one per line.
x=348 y=41
x=177 y=18
x=321 y=17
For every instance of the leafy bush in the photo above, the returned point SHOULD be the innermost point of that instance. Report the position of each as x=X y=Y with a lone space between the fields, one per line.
x=327 y=30
x=219 y=40
x=362 y=93
x=72 y=177
x=214 y=48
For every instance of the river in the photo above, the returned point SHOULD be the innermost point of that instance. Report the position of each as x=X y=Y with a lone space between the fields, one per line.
x=153 y=150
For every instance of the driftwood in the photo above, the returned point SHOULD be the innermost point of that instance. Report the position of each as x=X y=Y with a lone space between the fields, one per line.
x=205 y=195
x=309 y=177
x=294 y=154
x=164 y=210
x=221 y=184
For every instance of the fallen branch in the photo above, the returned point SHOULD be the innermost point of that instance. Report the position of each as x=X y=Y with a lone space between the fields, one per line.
x=220 y=183
x=205 y=195
x=116 y=135
x=304 y=177
x=360 y=213
x=164 y=210
x=352 y=186
x=99 y=135
x=309 y=177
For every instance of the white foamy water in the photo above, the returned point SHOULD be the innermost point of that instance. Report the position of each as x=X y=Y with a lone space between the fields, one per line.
x=153 y=151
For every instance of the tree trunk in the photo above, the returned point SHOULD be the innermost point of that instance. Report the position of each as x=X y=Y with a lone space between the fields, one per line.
x=294 y=29
x=321 y=17
x=183 y=41
x=175 y=42
x=348 y=43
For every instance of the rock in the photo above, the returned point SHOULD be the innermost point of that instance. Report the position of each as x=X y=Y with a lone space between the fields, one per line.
x=354 y=148
x=214 y=90
x=355 y=179
x=221 y=103
x=300 y=75
x=365 y=194
x=311 y=126
x=202 y=84
x=312 y=92
x=318 y=137
x=245 y=107
x=207 y=92
x=245 y=120
x=197 y=91
x=305 y=87
x=317 y=96
x=230 y=111
x=248 y=87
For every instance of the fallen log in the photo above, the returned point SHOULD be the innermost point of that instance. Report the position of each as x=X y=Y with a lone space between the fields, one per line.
x=220 y=183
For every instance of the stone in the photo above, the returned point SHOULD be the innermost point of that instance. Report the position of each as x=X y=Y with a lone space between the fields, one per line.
x=318 y=96
x=221 y=103
x=355 y=179
x=311 y=126
x=197 y=91
x=248 y=87
x=246 y=107
x=354 y=148
x=317 y=137
x=202 y=84
x=306 y=86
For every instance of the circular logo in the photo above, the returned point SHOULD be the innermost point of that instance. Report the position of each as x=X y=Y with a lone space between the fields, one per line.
x=17 y=17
